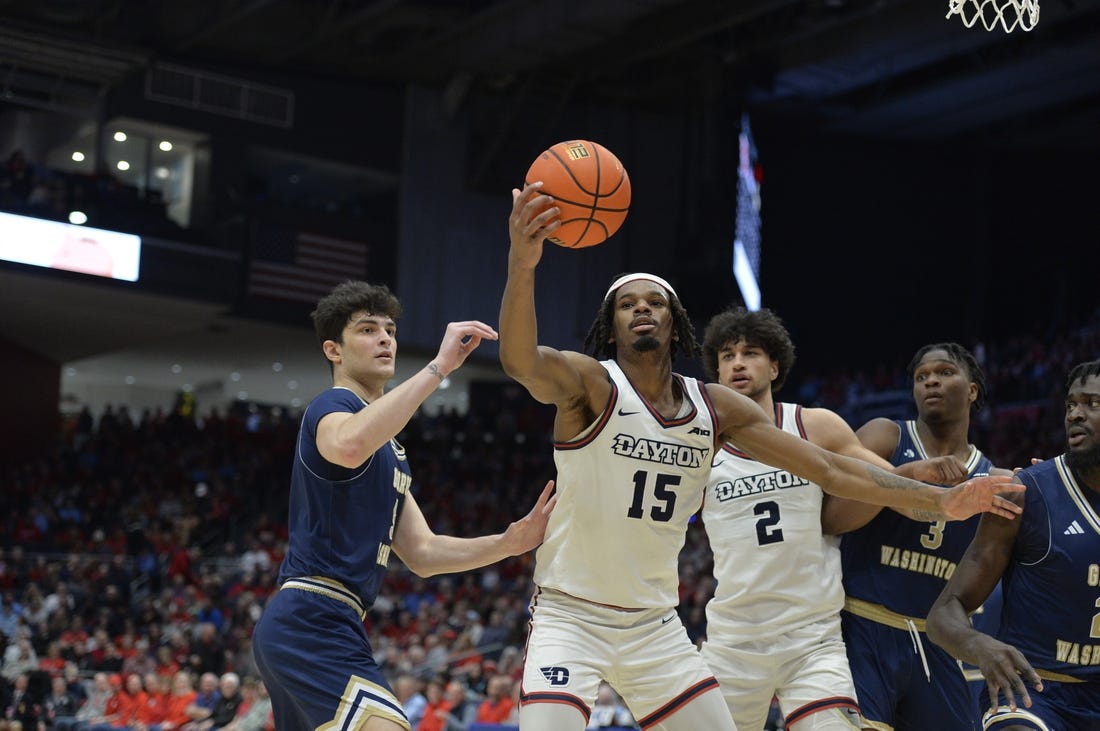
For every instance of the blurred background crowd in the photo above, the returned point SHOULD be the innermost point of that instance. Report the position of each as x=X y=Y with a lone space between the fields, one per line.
x=146 y=546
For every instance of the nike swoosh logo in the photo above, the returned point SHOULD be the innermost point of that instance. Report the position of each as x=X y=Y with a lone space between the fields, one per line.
x=628 y=413
x=668 y=619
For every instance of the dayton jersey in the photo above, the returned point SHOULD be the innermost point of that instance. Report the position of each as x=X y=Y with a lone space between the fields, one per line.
x=342 y=520
x=1052 y=587
x=903 y=564
x=626 y=488
x=776 y=571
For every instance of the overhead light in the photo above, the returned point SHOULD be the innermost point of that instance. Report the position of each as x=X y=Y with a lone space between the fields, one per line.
x=161 y=172
x=120 y=136
x=78 y=156
x=177 y=368
x=165 y=146
x=123 y=165
x=277 y=366
x=78 y=218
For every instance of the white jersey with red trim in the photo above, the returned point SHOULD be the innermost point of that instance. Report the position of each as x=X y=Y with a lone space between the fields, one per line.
x=775 y=570
x=627 y=486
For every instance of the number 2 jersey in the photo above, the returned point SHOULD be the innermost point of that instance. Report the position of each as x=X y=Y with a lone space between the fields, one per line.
x=626 y=487
x=903 y=564
x=776 y=572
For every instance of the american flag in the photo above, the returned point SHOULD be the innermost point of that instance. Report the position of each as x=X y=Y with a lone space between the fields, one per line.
x=301 y=266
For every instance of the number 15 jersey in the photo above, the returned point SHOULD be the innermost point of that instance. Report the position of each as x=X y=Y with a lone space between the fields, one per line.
x=627 y=486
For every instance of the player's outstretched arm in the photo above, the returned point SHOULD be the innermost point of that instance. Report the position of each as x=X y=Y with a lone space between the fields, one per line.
x=840 y=515
x=1005 y=669
x=548 y=374
x=745 y=425
x=426 y=553
x=350 y=439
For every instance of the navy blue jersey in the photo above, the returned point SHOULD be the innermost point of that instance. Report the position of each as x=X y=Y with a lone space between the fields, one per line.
x=903 y=564
x=342 y=520
x=1052 y=587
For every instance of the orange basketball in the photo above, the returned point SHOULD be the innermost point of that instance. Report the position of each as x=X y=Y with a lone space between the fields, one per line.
x=589 y=185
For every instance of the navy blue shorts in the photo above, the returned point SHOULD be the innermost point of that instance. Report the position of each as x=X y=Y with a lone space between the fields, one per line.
x=317 y=664
x=891 y=684
x=1060 y=707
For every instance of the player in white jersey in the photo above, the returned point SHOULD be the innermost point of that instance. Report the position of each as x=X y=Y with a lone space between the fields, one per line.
x=773 y=626
x=607 y=610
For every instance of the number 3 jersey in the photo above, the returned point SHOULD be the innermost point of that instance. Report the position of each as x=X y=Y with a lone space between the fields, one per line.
x=903 y=564
x=626 y=487
x=776 y=571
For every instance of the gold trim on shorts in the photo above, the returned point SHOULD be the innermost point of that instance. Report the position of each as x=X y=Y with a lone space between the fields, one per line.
x=880 y=614
x=328 y=587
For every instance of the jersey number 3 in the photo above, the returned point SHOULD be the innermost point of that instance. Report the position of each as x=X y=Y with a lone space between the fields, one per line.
x=661 y=513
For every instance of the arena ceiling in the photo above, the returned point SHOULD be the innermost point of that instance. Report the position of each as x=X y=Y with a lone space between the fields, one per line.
x=880 y=68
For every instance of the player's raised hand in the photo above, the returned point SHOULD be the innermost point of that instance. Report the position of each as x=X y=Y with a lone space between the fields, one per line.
x=533 y=218
x=979 y=495
x=461 y=339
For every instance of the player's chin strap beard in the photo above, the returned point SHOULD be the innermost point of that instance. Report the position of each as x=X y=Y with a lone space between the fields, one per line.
x=918 y=647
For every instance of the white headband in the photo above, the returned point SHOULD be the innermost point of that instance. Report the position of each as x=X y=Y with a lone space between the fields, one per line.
x=635 y=277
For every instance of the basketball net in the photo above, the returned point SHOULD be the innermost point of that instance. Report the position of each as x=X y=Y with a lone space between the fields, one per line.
x=1009 y=14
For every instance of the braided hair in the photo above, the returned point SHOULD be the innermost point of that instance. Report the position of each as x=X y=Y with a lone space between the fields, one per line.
x=597 y=342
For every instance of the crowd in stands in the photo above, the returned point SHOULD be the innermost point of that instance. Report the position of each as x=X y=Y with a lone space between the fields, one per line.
x=30 y=188
x=135 y=561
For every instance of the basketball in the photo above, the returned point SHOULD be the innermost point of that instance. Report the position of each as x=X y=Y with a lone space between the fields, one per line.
x=589 y=185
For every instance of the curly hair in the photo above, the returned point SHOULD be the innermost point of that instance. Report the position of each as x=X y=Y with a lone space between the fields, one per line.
x=335 y=309
x=597 y=341
x=762 y=328
x=961 y=357
x=1082 y=371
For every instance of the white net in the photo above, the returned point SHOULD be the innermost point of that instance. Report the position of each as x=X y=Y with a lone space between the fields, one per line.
x=1008 y=14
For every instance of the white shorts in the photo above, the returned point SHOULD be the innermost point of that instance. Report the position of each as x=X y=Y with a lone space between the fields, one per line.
x=807 y=669
x=644 y=654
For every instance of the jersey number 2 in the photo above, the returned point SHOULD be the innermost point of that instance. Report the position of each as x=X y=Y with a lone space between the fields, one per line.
x=661 y=513
x=766 y=532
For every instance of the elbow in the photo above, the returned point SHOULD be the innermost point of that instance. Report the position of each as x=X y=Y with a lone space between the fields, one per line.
x=933 y=630
x=418 y=562
x=423 y=571
x=513 y=366
x=933 y=624
x=350 y=453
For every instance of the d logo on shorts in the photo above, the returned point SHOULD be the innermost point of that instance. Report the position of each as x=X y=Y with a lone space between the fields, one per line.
x=555 y=675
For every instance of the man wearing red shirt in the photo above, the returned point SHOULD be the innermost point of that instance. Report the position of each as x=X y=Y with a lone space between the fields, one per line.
x=497 y=707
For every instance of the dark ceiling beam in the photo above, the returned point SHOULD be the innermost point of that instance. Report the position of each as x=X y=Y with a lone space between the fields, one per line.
x=568 y=36
x=331 y=25
x=230 y=16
